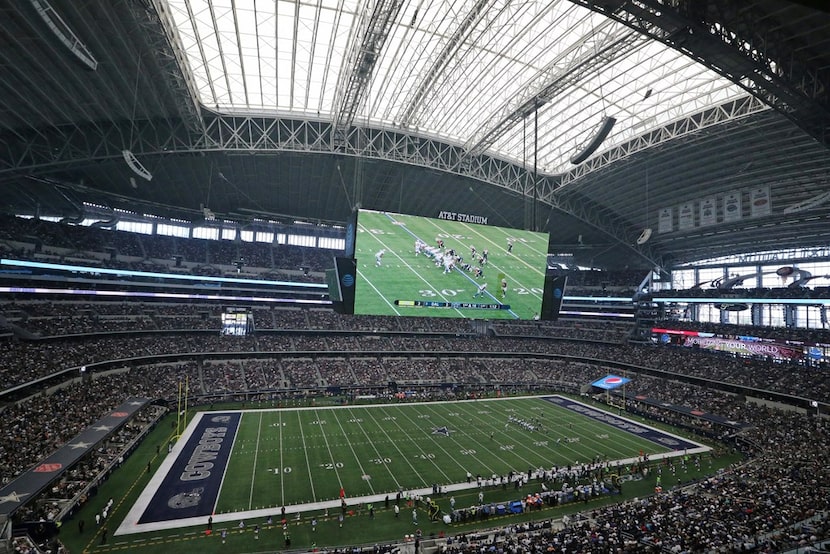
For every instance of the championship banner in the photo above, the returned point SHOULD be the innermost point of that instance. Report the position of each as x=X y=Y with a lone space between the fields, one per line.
x=610 y=382
x=732 y=206
x=686 y=216
x=664 y=221
x=759 y=202
x=708 y=212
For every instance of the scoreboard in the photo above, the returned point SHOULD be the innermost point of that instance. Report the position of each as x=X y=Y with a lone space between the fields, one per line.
x=237 y=321
x=456 y=305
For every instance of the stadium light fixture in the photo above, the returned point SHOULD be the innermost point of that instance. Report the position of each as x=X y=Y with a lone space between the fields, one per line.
x=64 y=33
x=136 y=166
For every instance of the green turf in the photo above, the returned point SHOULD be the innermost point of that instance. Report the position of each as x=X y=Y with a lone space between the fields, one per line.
x=405 y=276
x=393 y=451
x=289 y=457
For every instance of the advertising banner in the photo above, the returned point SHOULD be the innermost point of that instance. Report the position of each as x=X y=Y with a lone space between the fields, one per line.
x=746 y=348
x=610 y=382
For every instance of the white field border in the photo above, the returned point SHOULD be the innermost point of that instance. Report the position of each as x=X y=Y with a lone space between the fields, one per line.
x=130 y=524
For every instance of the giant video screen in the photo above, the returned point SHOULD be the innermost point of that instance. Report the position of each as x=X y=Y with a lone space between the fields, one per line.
x=237 y=321
x=417 y=266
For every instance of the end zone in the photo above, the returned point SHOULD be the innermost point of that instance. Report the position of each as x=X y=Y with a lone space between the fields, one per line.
x=663 y=438
x=186 y=485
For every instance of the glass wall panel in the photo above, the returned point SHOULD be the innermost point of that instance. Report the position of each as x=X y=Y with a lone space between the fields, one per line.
x=209 y=233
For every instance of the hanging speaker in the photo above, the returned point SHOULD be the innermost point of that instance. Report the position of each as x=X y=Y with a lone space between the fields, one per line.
x=602 y=133
x=136 y=166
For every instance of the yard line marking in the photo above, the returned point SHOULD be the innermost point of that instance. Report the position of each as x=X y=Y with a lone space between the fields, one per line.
x=447 y=477
x=519 y=435
x=307 y=463
x=586 y=429
x=525 y=245
x=583 y=429
x=409 y=267
x=483 y=447
x=362 y=276
x=227 y=465
x=351 y=447
x=419 y=436
x=282 y=473
x=331 y=456
x=256 y=455
x=519 y=259
x=494 y=265
x=520 y=432
x=457 y=270
x=379 y=455
x=438 y=444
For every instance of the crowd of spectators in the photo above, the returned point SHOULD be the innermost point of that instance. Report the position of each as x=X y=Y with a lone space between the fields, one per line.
x=780 y=334
x=25 y=361
x=45 y=422
x=596 y=330
x=41 y=240
x=49 y=318
x=56 y=318
x=301 y=372
x=618 y=281
x=772 y=502
x=77 y=484
x=763 y=505
x=767 y=505
x=439 y=360
x=816 y=292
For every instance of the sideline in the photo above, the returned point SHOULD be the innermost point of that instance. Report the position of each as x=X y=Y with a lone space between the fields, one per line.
x=296 y=509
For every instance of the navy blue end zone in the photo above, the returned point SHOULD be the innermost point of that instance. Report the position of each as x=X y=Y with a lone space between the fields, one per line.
x=654 y=435
x=191 y=486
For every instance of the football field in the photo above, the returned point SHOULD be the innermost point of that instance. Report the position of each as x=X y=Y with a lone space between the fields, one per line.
x=249 y=464
x=401 y=279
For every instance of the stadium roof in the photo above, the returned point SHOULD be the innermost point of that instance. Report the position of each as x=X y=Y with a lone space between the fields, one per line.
x=457 y=70
x=305 y=109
